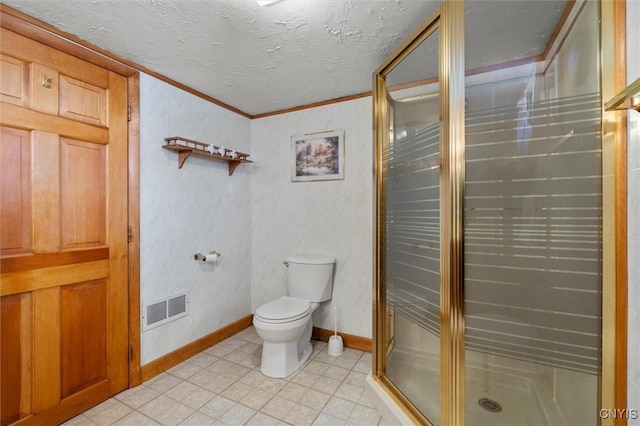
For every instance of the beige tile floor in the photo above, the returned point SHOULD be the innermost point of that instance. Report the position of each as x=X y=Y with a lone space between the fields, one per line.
x=223 y=385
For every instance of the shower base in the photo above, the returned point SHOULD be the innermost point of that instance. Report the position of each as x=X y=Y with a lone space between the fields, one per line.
x=522 y=396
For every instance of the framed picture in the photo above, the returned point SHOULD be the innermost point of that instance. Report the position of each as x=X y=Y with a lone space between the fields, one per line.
x=317 y=156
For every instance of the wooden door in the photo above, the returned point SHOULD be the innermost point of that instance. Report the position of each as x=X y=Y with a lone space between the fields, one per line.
x=63 y=233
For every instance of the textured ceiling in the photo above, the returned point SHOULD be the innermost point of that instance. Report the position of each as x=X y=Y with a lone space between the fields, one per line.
x=292 y=53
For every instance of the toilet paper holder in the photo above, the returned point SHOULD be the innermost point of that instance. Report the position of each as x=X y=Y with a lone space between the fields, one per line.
x=203 y=257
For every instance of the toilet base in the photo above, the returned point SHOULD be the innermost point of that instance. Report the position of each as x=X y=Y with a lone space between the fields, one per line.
x=283 y=359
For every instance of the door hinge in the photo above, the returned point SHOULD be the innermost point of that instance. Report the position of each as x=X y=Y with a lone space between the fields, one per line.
x=129 y=112
x=129 y=234
x=130 y=354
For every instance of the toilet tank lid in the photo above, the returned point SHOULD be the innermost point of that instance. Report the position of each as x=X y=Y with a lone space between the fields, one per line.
x=311 y=259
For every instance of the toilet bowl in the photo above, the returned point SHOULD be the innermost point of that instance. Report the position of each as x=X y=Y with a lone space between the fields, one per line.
x=285 y=324
x=285 y=327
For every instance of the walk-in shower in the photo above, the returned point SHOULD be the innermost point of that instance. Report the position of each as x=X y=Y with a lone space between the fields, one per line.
x=489 y=217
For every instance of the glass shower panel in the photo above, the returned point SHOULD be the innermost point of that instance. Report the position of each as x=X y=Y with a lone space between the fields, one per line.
x=533 y=217
x=411 y=197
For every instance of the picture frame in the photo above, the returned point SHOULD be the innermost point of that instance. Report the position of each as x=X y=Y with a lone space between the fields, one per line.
x=317 y=156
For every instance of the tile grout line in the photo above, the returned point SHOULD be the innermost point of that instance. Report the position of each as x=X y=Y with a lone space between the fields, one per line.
x=233 y=345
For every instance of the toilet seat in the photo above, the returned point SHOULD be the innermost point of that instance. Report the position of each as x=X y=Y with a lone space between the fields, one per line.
x=283 y=310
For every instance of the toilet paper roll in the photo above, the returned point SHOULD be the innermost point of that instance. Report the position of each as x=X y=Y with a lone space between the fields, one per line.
x=210 y=258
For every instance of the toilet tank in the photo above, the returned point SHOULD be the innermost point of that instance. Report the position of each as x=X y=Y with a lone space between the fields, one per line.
x=310 y=277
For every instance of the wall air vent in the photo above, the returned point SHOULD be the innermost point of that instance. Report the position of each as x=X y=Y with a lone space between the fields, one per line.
x=156 y=312
x=164 y=311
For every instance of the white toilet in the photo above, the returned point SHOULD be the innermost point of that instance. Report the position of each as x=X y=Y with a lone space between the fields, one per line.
x=285 y=324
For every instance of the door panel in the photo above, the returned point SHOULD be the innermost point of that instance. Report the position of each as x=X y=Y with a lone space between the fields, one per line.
x=84 y=335
x=15 y=215
x=10 y=337
x=82 y=194
x=63 y=159
x=15 y=312
x=83 y=101
x=14 y=75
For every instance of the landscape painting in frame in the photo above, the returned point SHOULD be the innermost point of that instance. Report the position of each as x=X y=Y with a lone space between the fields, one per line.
x=318 y=156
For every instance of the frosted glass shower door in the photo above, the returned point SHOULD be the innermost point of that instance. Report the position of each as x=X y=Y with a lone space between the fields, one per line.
x=533 y=231
x=411 y=222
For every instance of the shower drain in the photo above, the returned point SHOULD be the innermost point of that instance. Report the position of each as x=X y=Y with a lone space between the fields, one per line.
x=490 y=405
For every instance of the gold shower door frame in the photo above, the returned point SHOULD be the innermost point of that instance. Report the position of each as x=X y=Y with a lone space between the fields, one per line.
x=449 y=18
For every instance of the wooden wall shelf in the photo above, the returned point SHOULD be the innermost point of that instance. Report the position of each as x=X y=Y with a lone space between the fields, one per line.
x=185 y=147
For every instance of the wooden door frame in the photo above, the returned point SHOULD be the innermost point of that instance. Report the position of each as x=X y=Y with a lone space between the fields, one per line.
x=133 y=96
x=614 y=141
x=48 y=35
